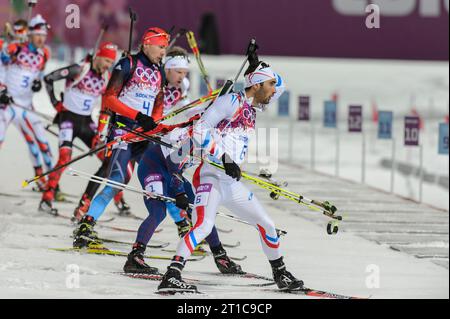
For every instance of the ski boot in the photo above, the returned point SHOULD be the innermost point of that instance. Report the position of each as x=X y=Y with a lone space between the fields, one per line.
x=135 y=263
x=123 y=208
x=183 y=227
x=172 y=282
x=82 y=208
x=283 y=278
x=59 y=196
x=46 y=206
x=84 y=236
x=41 y=183
x=224 y=263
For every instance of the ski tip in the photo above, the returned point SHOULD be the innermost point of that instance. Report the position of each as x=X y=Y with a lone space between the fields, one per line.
x=25 y=184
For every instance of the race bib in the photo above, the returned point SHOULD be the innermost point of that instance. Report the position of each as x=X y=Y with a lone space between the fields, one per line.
x=202 y=195
x=66 y=132
x=121 y=145
x=153 y=184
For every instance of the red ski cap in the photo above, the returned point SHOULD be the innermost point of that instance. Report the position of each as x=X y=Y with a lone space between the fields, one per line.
x=107 y=50
x=156 y=36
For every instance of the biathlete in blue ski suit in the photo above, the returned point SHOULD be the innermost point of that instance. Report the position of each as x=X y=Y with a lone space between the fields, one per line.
x=135 y=95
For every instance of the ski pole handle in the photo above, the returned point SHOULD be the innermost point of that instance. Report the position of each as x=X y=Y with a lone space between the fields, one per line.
x=31 y=5
x=175 y=38
x=251 y=49
x=133 y=19
x=103 y=30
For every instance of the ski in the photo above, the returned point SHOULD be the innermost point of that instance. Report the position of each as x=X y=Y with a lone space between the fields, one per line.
x=314 y=293
x=126 y=230
x=306 y=291
x=225 y=231
x=175 y=292
x=68 y=201
x=63 y=194
x=247 y=275
x=109 y=252
x=237 y=244
x=11 y=195
x=158 y=277
x=205 y=253
x=100 y=241
x=59 y=215
x=154 y=246
x=129 y=215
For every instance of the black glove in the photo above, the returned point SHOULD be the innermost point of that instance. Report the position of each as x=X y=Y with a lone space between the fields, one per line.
x=5 y=98
x=36 y=86
x=231 y=168
x=182 y=201
x=146 y=122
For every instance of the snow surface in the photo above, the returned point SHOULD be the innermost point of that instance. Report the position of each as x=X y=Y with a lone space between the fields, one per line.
x=406 y=241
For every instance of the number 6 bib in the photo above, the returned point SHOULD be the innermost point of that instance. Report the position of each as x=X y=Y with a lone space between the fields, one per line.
x=202 y=195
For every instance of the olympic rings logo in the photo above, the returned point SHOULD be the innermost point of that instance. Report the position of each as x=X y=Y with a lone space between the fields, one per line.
x=33 y=60
x=171 y=97
x=247 y=117
x=92 y=84
x=148 y=75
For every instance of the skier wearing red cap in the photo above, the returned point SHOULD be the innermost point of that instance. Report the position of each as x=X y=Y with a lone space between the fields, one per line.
x=85 y=84
x=135 y=94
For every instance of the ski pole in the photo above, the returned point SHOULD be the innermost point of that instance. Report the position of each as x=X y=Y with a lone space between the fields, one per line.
x=8 y=31
x=191 y=105
x=31 y=5
x=121 y=186
x=328 y=209
x=180 y=33
x=103 y=30
x=214 y=94
x=133 y=19
x=251 y=49
x=40 y=114
x=196 y=51
x=119 y=139
x=48 y=129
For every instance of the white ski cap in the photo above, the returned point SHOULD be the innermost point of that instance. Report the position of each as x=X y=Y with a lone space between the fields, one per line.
x=38 y=25
x=177 y=62
x=262 y=74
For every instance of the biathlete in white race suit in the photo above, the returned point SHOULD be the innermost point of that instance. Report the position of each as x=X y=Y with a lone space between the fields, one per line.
x=25 y=63
x=18 y=34
x=222 y=135
x=85 y=84
x=161 y=173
